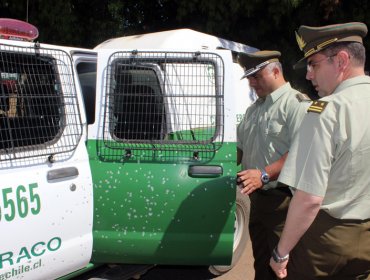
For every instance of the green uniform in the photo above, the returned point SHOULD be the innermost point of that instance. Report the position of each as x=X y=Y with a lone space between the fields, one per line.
x=330 y=157
x=268 y=127
x=264 y=135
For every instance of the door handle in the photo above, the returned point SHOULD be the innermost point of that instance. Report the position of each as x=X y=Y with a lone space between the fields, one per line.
x=62 y=173
x=205 y=171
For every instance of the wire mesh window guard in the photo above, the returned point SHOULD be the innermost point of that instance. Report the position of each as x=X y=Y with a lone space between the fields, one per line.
x=164 y=101
x=39 y=113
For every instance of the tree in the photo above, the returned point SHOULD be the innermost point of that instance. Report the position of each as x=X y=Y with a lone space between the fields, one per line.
x=265 y=24
x=271 y=24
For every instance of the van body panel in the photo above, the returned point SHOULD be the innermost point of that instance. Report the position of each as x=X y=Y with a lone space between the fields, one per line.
x=159 y=214
x=46 y=205
x=178 y=39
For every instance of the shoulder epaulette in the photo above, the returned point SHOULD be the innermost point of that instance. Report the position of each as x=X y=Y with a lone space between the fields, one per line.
x=317 y=106
x=303 y=97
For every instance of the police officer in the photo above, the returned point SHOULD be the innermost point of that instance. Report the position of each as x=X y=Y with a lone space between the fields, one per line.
x=264 y=138
x=328 y=222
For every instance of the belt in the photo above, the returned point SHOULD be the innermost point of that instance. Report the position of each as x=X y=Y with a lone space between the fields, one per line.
x=281 y=188
x=285 y=190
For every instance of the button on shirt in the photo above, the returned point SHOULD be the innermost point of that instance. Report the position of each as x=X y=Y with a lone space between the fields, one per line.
x=268 y=127
x=330 y=156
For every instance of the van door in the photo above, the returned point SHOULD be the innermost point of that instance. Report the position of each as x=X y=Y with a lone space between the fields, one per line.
x=164 y=179
x=46 y=186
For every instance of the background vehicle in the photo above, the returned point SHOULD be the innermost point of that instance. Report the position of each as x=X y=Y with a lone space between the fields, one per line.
x=122 y=154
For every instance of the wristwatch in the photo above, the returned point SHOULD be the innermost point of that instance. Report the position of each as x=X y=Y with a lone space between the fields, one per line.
x=265 y=178
x=276 y=257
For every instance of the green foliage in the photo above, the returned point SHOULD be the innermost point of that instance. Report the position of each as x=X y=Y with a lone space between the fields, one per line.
x=265 y=24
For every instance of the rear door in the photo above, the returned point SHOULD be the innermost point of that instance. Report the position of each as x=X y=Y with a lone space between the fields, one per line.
x=163 y=176
x=46 y=186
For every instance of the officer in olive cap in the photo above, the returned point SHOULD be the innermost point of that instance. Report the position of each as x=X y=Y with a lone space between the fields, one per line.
x=328 y=222
x=253 y=62
x=314 y=39
x=264 y=138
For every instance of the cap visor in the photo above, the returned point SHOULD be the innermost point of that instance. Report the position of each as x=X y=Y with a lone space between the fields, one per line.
x=300 y=64
x=250 y=72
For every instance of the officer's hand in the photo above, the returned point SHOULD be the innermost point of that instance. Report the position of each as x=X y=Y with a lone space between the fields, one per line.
x=279 y=268
x=249 y=180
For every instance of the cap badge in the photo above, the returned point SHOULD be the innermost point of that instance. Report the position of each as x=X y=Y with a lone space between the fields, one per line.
x=300 y=41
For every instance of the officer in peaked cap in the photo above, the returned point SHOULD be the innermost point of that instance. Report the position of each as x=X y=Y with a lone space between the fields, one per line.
x=253 y=62
x=264 y=137
x=314 y=39
x=327 y=231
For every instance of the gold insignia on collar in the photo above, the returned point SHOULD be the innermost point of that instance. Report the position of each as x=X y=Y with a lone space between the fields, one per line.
x=300 y=41
x=317 y=106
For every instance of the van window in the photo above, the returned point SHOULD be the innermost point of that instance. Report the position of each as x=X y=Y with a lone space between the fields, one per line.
x=167 y=100
x=138 y=108
x=34 y=91
x=87 y=76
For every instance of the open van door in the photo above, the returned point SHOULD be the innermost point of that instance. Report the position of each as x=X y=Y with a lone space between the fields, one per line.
x=46 y=186
x=164 y=176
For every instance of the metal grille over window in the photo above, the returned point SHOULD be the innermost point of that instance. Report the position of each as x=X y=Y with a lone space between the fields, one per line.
x=39 y=113
x=164 y=101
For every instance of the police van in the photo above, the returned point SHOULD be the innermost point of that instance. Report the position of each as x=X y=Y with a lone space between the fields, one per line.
x=122 y=154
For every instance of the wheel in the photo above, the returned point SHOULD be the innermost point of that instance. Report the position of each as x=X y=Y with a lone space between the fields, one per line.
x=241 y=233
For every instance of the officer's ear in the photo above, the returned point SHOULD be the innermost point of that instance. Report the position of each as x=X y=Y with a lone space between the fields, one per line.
x=343 y=59
x=276 y=71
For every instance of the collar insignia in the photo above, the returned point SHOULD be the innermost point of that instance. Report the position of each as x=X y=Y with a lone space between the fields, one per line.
x=302 y=97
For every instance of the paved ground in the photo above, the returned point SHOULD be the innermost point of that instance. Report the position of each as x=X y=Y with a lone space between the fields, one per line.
x=242 y=271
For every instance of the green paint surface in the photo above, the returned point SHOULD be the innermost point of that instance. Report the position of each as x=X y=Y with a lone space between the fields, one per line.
x=147 y=209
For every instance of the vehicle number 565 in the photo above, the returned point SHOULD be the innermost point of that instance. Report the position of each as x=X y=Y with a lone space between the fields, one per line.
x=19 y=202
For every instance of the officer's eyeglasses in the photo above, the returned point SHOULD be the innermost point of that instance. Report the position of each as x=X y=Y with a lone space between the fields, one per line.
x=311 y=64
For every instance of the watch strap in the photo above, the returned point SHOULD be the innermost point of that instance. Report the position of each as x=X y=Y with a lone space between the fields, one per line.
x=277 y=258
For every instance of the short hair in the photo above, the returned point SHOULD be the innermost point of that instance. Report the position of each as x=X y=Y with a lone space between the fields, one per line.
x=355 y=49
x=274 y=64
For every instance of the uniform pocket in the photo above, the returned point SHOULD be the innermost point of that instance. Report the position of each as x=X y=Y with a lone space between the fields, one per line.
x=275 y=128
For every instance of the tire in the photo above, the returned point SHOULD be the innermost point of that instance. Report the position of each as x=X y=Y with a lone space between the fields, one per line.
x=241 y=234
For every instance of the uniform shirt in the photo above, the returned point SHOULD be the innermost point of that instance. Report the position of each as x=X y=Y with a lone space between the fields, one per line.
x=268 y=127
x=330 y=156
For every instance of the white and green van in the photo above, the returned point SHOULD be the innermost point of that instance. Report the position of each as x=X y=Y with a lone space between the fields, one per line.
x=124 y=154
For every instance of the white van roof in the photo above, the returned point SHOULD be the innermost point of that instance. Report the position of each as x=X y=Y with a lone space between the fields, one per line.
x=175 y=39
